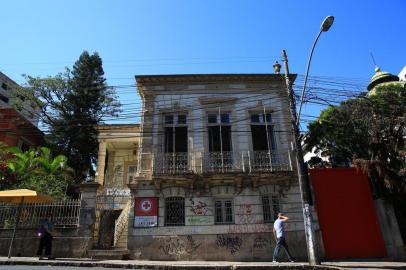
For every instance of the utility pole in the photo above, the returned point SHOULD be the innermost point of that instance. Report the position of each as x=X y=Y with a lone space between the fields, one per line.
x=301 y=170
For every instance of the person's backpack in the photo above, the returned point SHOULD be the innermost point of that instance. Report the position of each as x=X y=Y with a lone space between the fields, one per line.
x=41 y=231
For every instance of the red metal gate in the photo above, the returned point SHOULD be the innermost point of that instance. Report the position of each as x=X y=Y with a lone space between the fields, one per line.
x=347 y=217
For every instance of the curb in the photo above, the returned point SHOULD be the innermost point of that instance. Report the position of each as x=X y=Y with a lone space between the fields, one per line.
x=140 y=265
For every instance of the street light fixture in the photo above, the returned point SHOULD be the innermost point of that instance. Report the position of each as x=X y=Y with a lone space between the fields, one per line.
x=325 y=26
x=327 y=23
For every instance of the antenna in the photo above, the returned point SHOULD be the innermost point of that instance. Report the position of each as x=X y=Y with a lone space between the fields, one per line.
x=373 y=58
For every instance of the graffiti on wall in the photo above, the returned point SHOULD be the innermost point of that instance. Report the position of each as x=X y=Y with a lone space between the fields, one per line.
x=231 y=243
x=246 y=209
x=175 y=246
x=250 y=228
x=200 y=208
x=244 y=214
x=262 y=242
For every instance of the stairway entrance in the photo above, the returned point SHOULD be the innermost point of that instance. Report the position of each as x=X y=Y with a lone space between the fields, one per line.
x=106 y=230
x=111 y=230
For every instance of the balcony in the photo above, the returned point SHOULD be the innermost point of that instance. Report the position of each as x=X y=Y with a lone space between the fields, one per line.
x=215 y=162
x=219 y=162
x=264 y=161
x=171 y=163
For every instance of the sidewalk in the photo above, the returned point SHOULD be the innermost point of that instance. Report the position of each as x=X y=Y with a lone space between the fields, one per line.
x=199 y=265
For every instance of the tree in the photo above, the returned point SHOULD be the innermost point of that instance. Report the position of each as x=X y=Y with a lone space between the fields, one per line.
x=36 y=169
x=72 y=104
x=368 y=132
x=338 y=134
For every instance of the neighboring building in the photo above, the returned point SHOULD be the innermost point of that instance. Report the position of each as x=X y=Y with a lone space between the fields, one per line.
x=117 y=166
x=16 y=130
x=381 y=78
x=214 y=167
x=18 y=117
x=11 y=98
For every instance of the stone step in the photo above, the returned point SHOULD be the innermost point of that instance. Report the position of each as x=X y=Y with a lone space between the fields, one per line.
x=121 y=245
x=111 y=254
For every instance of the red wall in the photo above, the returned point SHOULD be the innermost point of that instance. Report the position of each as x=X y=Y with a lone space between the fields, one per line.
x=14 y=127
x=347 y=216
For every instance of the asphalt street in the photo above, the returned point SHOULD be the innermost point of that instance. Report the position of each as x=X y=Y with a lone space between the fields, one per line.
x=28 y=267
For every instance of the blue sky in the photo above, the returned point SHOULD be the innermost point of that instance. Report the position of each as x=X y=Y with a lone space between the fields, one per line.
x=212 y=36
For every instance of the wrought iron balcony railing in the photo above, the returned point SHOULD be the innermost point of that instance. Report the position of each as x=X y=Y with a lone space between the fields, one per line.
x=266 y=161
x=214 y=162
x=171 y=163
x=219 y=162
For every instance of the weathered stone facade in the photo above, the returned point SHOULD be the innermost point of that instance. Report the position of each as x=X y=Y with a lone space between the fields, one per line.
x=117 y=164
x=207 y=181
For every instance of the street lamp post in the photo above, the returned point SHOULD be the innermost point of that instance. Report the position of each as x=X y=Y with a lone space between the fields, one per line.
x=301 y=166
x=325 y=26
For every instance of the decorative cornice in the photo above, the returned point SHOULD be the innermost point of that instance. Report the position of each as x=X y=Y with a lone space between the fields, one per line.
x=151 y=80
x=118 y=127
x=211 y=78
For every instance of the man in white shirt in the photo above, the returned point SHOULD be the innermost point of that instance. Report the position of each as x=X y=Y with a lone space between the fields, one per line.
x=279 y=233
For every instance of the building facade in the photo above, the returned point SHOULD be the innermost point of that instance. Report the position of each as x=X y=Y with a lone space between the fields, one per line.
x=18 y=117
x=214 y=168
x=117 y=166
x=11 y=96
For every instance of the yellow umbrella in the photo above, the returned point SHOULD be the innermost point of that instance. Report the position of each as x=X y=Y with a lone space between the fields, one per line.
x=28 y=196
x=21 y=196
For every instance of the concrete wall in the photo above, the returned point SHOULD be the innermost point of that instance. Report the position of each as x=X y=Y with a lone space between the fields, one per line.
x=67 y=242
x=214 y=247
x=247 y=239
x=390 y=229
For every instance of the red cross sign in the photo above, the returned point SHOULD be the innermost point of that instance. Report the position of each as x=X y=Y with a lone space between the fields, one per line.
x=146 y=212
x=146 y=206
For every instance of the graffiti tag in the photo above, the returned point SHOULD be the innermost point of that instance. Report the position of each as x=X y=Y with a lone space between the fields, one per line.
x=231 y=243
x=200 y=208
x=261 y=242
x=176 y=246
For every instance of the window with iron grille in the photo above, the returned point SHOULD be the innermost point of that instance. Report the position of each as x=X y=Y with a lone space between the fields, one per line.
x=271 y=208
x=175 y=211
x=224 y=211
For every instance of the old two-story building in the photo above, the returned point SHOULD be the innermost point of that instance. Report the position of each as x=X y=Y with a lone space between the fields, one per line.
x=208 y=170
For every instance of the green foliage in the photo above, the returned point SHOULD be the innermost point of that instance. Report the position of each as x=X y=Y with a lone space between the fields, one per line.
x=4 y=172
x=72 y=104
x=338 y=134
x=368 y=132
x=36 y=169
